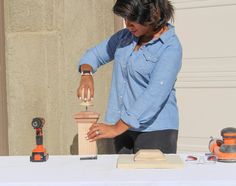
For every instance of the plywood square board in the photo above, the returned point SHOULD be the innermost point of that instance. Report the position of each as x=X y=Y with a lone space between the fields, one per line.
x=171 y=161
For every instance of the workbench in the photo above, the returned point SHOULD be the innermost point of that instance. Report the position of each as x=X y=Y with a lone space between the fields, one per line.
x=71 y=171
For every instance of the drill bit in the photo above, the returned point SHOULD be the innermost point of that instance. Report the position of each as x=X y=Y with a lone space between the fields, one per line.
x=86 y=101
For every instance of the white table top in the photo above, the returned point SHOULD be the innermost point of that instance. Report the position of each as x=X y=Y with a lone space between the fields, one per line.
x=71 y=171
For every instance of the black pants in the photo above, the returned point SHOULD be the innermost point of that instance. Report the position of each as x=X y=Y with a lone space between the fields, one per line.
x=130 y=141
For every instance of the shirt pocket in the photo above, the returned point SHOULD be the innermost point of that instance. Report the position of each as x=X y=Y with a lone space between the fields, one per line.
x=145 y=64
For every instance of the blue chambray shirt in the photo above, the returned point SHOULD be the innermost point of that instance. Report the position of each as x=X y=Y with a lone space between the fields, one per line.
x=142 y=91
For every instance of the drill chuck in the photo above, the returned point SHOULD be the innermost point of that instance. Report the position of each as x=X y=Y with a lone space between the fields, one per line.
x=38 y=123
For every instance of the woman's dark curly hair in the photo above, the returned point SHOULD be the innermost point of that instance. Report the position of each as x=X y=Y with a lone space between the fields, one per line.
x=155 y=13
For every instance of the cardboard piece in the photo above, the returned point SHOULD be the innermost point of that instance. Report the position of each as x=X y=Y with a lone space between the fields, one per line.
x=149 y=159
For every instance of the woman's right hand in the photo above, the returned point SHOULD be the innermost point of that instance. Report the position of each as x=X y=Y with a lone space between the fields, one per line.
x=85 y=92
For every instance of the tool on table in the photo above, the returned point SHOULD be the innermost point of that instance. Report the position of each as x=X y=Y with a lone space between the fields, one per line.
x=89 y=158
x=39 y=153
x=201 y=159
x=85 y=101
x=225 y=149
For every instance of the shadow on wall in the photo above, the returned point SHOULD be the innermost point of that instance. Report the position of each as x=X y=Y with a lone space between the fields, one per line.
x=105 y=146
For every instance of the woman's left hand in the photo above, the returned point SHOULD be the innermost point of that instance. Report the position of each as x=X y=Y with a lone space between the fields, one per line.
x=101 y=130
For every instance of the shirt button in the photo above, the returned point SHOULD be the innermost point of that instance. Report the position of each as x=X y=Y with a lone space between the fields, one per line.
x=121 y=97
x=119 y=111
x=161 y=82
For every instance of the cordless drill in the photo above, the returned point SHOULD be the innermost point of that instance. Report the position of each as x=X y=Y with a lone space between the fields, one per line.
x=39 y=153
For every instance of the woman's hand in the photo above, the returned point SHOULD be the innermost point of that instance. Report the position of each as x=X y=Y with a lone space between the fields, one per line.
x=86 y=88
x=101 y=130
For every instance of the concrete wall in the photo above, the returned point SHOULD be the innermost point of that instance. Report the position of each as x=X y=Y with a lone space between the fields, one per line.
x=3 y=102
x=44 y=41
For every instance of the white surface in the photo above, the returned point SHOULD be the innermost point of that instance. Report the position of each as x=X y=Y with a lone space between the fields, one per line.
x=71 y=171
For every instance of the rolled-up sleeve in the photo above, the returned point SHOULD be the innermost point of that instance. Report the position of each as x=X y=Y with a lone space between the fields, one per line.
x=162 y=80
x=101 y=53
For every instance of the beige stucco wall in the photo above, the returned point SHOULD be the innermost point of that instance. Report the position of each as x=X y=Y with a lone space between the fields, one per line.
x=44 y=40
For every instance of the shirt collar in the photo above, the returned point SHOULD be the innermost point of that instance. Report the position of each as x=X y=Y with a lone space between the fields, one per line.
x=164 y=37
x=168 y=34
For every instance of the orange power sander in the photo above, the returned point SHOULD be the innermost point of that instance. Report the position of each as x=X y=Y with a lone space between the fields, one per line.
x=39 y=153
x=225 y=149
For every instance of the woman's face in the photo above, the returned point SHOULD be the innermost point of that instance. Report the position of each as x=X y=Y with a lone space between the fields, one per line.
x=137 y=29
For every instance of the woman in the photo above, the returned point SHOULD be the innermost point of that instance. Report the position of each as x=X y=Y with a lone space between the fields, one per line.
x=142 y=111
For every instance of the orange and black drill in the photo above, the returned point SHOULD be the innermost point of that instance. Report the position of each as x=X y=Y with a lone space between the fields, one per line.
x=39 y=153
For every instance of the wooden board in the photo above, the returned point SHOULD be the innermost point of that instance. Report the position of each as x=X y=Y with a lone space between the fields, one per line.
x=85 y=148
x=84 y=121
x=171 y=161
x=149 y=154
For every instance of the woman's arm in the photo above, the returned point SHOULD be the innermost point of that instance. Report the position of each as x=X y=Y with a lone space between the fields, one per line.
x=101 y=130
x=103 y=52
x=93 y=59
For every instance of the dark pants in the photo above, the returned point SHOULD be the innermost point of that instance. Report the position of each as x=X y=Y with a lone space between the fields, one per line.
x=130 y=141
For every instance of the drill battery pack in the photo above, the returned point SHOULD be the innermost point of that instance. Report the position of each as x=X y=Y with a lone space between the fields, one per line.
x=39 y=157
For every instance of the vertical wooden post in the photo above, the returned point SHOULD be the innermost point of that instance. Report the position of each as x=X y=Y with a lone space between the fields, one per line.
x=84 y=121
x=3 y=98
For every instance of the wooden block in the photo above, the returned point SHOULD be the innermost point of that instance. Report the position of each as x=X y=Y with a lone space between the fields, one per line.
x=149 y=159
x=86 y=116
x=149 y=154
x=84 y=121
